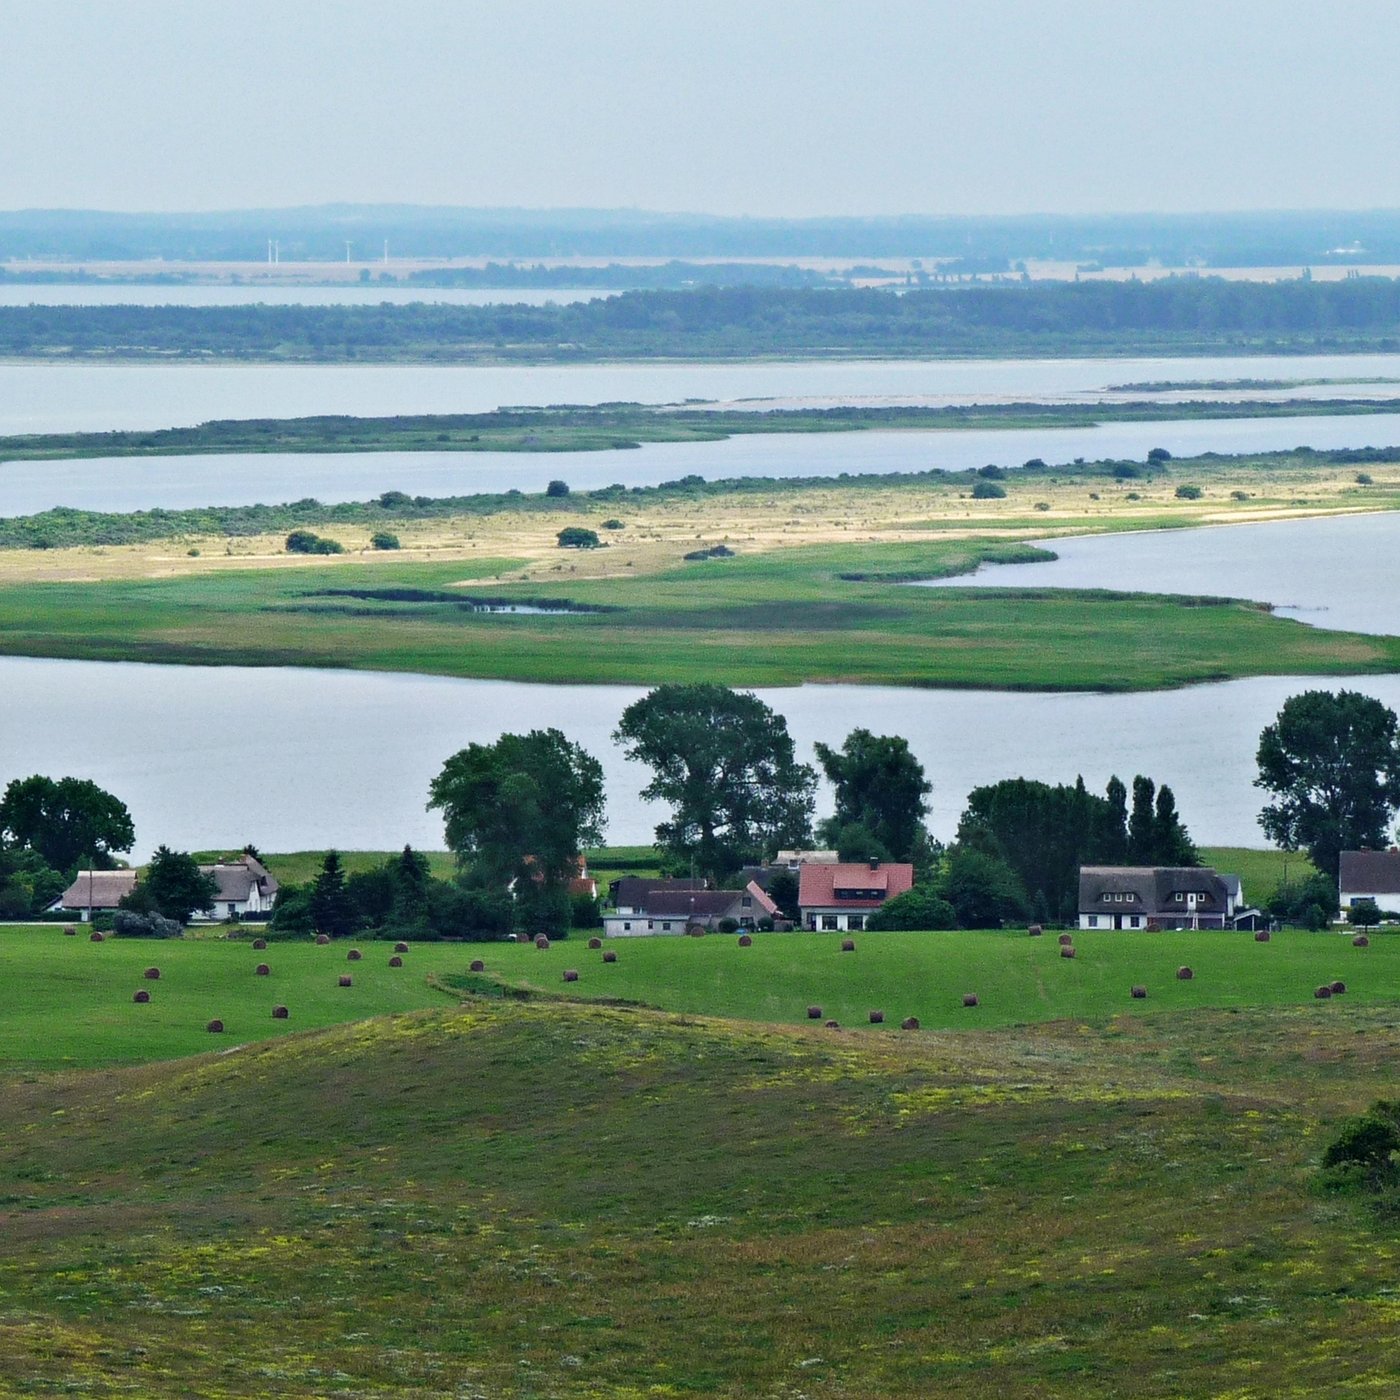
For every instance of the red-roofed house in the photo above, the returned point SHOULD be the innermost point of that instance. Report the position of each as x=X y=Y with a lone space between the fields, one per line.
x=843 y=896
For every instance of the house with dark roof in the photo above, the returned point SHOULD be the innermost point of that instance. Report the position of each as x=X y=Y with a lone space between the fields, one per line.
x=1370 y=875
x=842 y=895
x=96 y=892
x=1158 y=897
x=677 y=906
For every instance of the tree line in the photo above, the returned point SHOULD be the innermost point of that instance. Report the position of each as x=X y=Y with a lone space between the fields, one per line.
x=1171 y=313
x=519 y=811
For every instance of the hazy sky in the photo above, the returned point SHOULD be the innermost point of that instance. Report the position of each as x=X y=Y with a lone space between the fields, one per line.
x=729 y=106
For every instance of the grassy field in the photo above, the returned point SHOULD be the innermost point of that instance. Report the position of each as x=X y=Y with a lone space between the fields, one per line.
x=559 y=1201
x=814 y=593
x=77 y=1010
x=767 y=619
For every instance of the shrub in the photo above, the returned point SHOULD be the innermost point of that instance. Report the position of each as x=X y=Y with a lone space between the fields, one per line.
x=557 y=490
x=308 y=542
x=1189 y=493
x=1159 y=454
x=1365 y=479
x=613 y=523
x=729 y=926
x=988 y=491
x=992 y=472
x=384 y=539
x=1042 y=505
x=917 y=908
x=1368 y=1143
x=126 y=924
x=577 y=537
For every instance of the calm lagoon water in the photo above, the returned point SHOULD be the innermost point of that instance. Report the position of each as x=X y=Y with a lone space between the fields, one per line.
x=81 y=397
x=131 y=483
x=1341 y=572
x=293 y=759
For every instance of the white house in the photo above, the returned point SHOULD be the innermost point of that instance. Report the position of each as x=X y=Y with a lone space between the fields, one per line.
x=244 y=887
x=1370 y=875
x=1158 y=897
x=676 y=906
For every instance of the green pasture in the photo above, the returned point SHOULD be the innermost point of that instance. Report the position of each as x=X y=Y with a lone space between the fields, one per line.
x=72 y=999
x=793 y=616
x=563 y=1202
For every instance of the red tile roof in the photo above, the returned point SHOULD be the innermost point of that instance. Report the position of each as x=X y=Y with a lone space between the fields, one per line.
x=817 y=885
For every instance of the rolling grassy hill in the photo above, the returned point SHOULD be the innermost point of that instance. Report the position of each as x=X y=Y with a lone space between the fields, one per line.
x=553 y=1200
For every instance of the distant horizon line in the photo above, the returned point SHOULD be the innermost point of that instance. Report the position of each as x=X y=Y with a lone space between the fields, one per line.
x=638 y=212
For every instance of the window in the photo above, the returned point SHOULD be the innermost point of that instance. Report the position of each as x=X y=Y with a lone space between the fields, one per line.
x=651 y=924
x=1179 y=896
x=627 y=928
x=828 y=921
x=1093 y=921
x=855 y=921
x=665 y=928
x=747 y=901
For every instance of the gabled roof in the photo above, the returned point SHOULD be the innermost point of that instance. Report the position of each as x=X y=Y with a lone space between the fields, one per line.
x=633 y=891
x=98 y=889
x=817 y=884
x=1153 y=888
x=1370 y=872
x=236 y=879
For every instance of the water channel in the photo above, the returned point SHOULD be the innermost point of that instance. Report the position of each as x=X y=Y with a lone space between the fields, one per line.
x=296 y=759
x=140 y=483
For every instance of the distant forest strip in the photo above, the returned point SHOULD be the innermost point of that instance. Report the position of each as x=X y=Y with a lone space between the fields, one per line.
x=609 y=427
x=65 y=527
x=1173 y=316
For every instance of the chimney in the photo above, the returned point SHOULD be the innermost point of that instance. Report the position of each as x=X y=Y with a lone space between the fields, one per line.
x=874 y=863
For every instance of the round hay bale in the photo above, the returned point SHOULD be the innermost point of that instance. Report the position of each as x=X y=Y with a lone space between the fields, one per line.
x=542 y=942
x=570 y=974
x=259 y=944
x=478 y=965
x=1360 y=941
x=396 y=961
x=95 y=937
x=70 y=932
x=1323 y=992
x=1262 y=936
x=745 y=941
x=1184 y=974
x=279 y=1013
x=215 y=1027
x=1138 y=993
x=969 y=998
x=354 y=955
x=848 y=945
x=1338 y=988
x=595 y=942
x=877 y=1018
x=609 y=956
x=814 y=1013
x=262 y=970
x=142 y=996
x=833 y=1025
x=345 y=981
x=909 y=1023
x=322 y=939
x=1066 y=939
x=1067 y=950
x=1035 y=930
x=401 y=946
x=152 y=974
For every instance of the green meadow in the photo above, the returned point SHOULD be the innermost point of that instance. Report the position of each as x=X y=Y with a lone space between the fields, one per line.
x=77 y=1010
x=836 y=613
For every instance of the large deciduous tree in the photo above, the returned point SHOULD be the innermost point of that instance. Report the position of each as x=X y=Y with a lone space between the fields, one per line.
x=518 y=812
x=175 y=887
x=725 y=762
x=1332 y=763
x=879 y=786
x=66 y=821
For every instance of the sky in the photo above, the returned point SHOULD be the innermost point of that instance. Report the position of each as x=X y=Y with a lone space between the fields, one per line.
x=758 y=107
